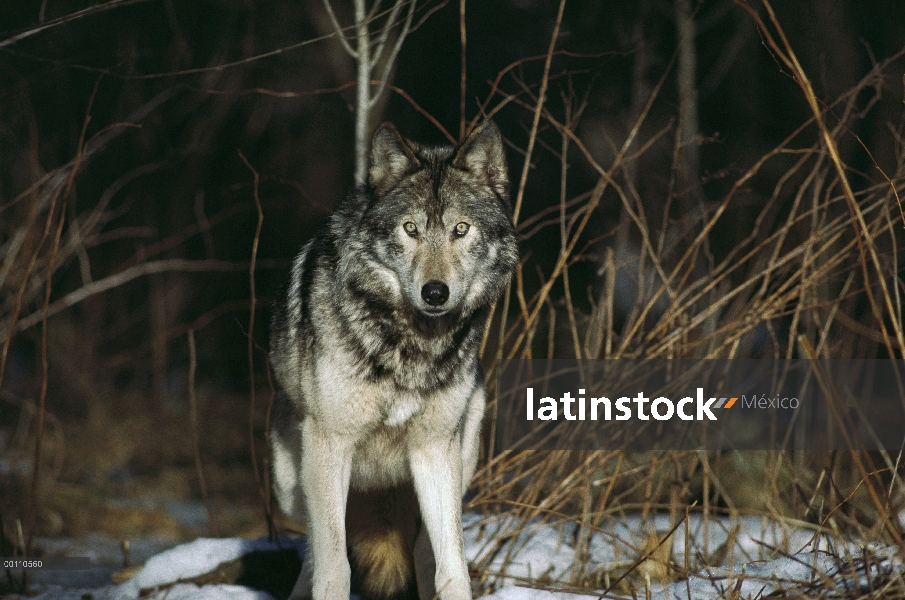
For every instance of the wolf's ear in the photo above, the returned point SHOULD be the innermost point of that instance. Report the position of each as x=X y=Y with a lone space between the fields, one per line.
x=391 y=158
x=483 y=155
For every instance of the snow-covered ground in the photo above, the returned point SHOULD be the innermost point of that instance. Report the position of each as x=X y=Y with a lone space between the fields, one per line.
x=755 y=555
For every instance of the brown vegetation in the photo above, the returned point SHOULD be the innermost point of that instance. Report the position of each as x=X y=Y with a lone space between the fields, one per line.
x=142 y=224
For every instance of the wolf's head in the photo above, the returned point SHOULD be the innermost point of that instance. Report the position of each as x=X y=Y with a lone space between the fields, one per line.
x=439 y=234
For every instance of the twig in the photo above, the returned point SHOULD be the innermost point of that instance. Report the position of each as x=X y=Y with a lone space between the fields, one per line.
x=843 y=425
x=250 y=335
x=604 y=181
x=268 y=501
x=45 y=374
x=57 y=179
x=866 y=246
x=340 y=88
x=340 y=34
x=91 y=10
x=542 y=96
x=196 y=444
x=422 y=111
x=149 y=268
x=211 y=69
x=379 y=46
x=391 y=59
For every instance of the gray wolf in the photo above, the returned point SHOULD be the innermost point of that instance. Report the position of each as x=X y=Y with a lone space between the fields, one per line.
x=374 y=345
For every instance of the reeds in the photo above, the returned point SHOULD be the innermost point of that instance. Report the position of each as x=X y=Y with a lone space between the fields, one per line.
x=815 y=274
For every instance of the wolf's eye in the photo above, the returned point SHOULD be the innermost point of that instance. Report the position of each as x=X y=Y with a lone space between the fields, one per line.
x=461 y=228
x=410 y=228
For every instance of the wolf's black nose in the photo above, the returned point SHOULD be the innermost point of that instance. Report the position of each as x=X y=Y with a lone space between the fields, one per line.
x=435 y=293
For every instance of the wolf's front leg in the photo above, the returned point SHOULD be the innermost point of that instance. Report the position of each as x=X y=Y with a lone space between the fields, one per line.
x=325 y=471
x=437 y=470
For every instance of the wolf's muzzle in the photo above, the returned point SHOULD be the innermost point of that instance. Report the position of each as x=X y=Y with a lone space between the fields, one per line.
x=435 y=293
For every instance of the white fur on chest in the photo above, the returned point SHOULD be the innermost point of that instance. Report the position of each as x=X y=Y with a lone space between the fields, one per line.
x=401 y=407
x=342 y=400
x=343 y=397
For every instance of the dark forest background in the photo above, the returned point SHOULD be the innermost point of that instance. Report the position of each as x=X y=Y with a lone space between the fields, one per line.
x=150 y=150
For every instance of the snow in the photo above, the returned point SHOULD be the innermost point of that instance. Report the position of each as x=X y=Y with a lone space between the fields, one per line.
x=191 y=560
x=755 y=552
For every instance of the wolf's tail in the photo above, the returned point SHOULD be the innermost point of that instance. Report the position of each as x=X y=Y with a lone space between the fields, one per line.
x=381 y=531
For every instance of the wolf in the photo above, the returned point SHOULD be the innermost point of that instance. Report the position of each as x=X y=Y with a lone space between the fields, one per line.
x=374 y=347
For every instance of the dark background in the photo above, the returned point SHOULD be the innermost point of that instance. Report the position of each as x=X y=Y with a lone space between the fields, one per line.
x=188 y=90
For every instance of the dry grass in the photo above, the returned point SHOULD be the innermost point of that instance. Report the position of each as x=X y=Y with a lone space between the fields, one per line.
x=817 y=275
x=813 y=271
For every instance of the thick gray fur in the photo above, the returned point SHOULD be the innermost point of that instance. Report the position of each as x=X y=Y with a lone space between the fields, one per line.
x=375 y=349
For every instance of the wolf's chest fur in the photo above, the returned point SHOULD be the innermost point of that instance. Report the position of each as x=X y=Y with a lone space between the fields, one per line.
x=401 y=408
x=384 y=420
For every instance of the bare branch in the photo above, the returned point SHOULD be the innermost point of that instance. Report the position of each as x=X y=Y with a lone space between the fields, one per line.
x=427 y=15
x=176 y=265
x=196 y=442
x=378 y=48
x=339 y=30
x=392 y=58
x=251 y=332
x=374 y=9
x=537 y=112
x=91 y=10
x=419 y=108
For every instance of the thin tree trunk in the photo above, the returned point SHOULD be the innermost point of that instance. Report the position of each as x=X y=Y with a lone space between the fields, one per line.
x=371 y=57
x=688 y=148
x=362 y=103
